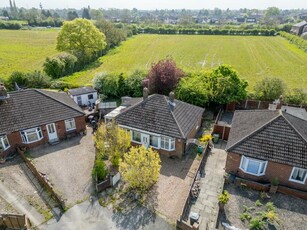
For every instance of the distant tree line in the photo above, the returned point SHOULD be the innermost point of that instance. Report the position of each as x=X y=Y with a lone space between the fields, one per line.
x=7 y=25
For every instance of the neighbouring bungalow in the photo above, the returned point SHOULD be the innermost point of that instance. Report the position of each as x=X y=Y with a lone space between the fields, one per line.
x=299 y=28
x=33 y=117
x=161 y=122
x=83 y=96
x=265 y=145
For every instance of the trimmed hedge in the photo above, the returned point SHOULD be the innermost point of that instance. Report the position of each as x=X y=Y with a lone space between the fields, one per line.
x=298 y=41
x=241 y=32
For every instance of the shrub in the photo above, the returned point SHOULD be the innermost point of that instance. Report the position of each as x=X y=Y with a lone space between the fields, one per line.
x=224 y=197
x=258 y=203
x=269 y=88
x=133 y=83
x=100 y=170
x=296 y=97
x=270 y=206
x=38 y=79
x=245 y=216
x=106 y=84
x=256 y=224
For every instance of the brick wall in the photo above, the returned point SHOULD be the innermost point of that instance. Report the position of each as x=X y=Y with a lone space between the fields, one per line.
x=15 y=138
x=274 y=170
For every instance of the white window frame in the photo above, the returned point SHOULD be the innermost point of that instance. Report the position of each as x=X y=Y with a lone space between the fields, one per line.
x=155 y=147
x=24 y=135
x=2 y=138
x=135 y=141
x=70 y=122
x=171 y=141
x=297 y=181
x=245 y=166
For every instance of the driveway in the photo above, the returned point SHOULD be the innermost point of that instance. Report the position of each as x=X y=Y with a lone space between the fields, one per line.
x=93 y=216
x=68 y=166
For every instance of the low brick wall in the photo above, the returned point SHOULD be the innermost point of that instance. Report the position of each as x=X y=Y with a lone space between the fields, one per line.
x=292 y=192
x=41 y=180
x=252 y=184
x=14 y=221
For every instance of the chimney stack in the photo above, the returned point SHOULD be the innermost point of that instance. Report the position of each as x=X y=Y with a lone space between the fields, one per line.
x=171 y=97
x=145 y=93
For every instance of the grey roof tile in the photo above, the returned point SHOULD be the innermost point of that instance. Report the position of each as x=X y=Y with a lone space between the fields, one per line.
x=81 y=90
x=269 y=135
x=29 y=108
x=156 y=115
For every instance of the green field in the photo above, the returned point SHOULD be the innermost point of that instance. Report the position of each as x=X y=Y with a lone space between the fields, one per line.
x=253 y=57
x=25 y=50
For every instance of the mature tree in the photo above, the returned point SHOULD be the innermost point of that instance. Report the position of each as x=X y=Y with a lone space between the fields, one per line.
x=194 y=90
x=271 y=16
x=106 y=84
x=72 y=15
x=133 y=83
x=86 y=13
x=113 y=35
x=112 y=141
x=140 y=168
x=81 y=38
x=61 y=65
x=96 y=14
x=269 y=88
x=164 y=76
x=221 y=86
x=226 y=86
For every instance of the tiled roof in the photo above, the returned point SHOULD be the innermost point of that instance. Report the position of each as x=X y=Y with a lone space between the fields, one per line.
x=29 y=108
x=302 y=23
x=81 y=90
x=269 y=135
x=156 y=115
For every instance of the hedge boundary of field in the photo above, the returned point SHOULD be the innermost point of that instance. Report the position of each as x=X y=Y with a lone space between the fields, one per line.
x=295 y=40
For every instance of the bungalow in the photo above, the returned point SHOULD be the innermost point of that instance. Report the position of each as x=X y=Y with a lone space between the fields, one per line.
x=83 y=96
x=33 y=117
x=299 y=28
x=269 y=144
x=161 y=122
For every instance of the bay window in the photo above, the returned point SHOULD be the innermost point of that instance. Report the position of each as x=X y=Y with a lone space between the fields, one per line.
x=4 y=143
x=168 y=143
x=253 y=166
x=70 y=124
x=298 y=175
x=154 y=141
x=136 y=136
x=31 y=135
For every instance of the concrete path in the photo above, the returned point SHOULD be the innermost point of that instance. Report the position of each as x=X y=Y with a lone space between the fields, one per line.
x=93 y=216
x=21 y=205
x=211 y=187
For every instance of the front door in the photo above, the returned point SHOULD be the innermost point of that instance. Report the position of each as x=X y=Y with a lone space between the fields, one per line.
x=52 y=134
x=79 y=100
x=145 y=139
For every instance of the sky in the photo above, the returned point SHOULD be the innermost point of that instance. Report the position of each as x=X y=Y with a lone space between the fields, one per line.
x=160 y=4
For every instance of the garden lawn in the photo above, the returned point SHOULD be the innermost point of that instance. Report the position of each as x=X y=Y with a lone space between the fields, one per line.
x=25 y=50
x=253 y=57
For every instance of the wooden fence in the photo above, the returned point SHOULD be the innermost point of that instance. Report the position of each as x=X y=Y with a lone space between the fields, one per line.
x=14 y=221
x=42 y=180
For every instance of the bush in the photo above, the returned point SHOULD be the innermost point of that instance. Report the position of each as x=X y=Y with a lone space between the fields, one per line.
x=61 y=65
x=298 y=41
x=270 y=206
x=224 y=197
x=38 y=79
x=296 y=97
x=100 y=170
x=60 y=85
x=256 y=224
x=269 y=88
x=133 y=83
x=106 y=84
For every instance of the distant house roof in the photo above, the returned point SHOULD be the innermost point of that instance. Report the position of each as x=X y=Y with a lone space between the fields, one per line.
x=302 y=23
x=81 y=90
x=279 y=136
x=29 y=108
x=157 y=115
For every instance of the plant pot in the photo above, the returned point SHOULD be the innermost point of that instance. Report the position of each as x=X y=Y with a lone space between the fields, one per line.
x=273 y=189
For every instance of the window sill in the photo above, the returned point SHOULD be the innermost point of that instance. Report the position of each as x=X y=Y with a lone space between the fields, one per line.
x=297 y=181
x=32 y=141
x=253 y=174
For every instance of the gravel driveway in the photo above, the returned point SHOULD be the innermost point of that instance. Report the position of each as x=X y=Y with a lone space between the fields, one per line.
x=68 y=166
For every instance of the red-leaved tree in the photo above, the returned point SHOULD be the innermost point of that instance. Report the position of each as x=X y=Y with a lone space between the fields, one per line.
x=164 y=76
